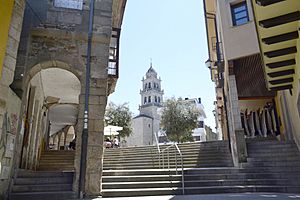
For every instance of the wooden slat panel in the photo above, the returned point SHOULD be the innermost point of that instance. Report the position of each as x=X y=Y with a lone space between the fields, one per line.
x=250 y=77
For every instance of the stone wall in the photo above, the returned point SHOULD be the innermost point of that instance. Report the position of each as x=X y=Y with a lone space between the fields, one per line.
x=9 y=102
x=59 y=39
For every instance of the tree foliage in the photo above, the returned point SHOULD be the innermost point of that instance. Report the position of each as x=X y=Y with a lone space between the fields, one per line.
x=179 y=119
x=119 y=115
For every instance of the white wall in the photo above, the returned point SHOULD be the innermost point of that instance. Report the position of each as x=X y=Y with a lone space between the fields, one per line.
x=238 y=41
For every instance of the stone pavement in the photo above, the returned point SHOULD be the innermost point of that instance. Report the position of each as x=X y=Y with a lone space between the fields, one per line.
x=238 y=196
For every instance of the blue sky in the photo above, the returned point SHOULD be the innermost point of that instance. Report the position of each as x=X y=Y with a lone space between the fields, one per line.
x=172 y=33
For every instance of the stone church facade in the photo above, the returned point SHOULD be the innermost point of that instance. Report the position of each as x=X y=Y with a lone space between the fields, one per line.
x=146 y=124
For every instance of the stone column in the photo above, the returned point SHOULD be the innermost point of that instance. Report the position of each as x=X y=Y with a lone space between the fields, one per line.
x=97 y=105
x=237 y=137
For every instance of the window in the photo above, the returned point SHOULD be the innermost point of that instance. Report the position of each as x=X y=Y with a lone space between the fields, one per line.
x=158 y=99
x=149 y=85
x=155 y=99
x=145 y=100
x=149 y=99
x=239 y=13
x=146 y=86
x=200 y=124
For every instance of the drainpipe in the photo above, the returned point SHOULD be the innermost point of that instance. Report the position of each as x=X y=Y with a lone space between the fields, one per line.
x=84 y=138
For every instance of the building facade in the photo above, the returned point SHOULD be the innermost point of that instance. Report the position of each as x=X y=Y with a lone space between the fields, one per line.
x=43 y=82
x=11 y=15
x=245 y=107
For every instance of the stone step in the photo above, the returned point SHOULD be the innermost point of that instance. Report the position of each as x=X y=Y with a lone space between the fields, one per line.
x=165 y=162
x=167 y=177
x=60 y=152
x=187 y=148
x=55 y=161
x=274 y=158
x=149 y=155
x=271 y=154
x=171 y=165
x=42 y=187
x=195 y=183
x=271 y=164
x=195 y=190
x=156 y=162
x=241 y=189
x=55 y=165
x=196 y=165
x=210 y=143
x=268 y=142
x=43 y=180
x=57 y=195
x=192 y=171
x=37 y=174
x=115 y=179
x=241 y=176
x=147 y=159
x=140 y=192
x=232 y=170
x=272 y=146
x=56 y=168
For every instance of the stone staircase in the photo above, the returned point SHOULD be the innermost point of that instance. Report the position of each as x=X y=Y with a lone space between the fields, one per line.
x=53 y=180
x=62 y=160
x=137 y=171
x=272 y=167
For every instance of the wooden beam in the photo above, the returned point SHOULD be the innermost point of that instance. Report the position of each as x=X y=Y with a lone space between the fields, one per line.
x=282 y=19
x=284 y=87
x=284 y=63
x=281 y=52
x=281 y=38
x=281 y=81
x=281 y=73
x=267 y=2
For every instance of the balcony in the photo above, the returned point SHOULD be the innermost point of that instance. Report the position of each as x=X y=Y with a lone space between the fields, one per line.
x=113 y=62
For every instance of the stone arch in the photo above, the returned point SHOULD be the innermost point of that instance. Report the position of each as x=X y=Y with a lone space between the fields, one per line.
x=51 y=64
x=32 y=78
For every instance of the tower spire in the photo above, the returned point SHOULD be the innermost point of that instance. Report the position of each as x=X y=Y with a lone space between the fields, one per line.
x=150 y=62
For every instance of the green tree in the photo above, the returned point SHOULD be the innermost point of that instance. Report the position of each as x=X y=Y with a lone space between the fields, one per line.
x=119 y=115
x=179 y=119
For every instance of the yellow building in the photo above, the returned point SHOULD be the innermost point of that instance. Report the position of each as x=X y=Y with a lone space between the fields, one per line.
x=278 y=34
x=11 y=18
x=6 y=9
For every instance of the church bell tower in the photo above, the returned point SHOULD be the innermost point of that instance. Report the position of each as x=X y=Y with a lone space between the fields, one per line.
x=151 y=94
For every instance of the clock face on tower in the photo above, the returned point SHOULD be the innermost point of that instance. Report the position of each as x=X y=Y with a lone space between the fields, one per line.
x=72 y=4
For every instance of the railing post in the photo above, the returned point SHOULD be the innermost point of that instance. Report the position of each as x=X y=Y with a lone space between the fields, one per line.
x=175 y=160
x=169 y=159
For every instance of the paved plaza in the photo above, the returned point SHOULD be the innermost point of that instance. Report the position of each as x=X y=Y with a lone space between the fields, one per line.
x=241 y=196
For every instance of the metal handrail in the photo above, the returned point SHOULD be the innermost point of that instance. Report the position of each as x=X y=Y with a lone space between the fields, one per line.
x=176 y=162
x=158 y=149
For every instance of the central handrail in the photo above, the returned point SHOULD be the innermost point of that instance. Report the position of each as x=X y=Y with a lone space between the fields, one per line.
x=158 y=149
x=176 y=162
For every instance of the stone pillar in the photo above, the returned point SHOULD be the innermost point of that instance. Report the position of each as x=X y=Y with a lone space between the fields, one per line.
x=237 y=137
x=97 y=105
